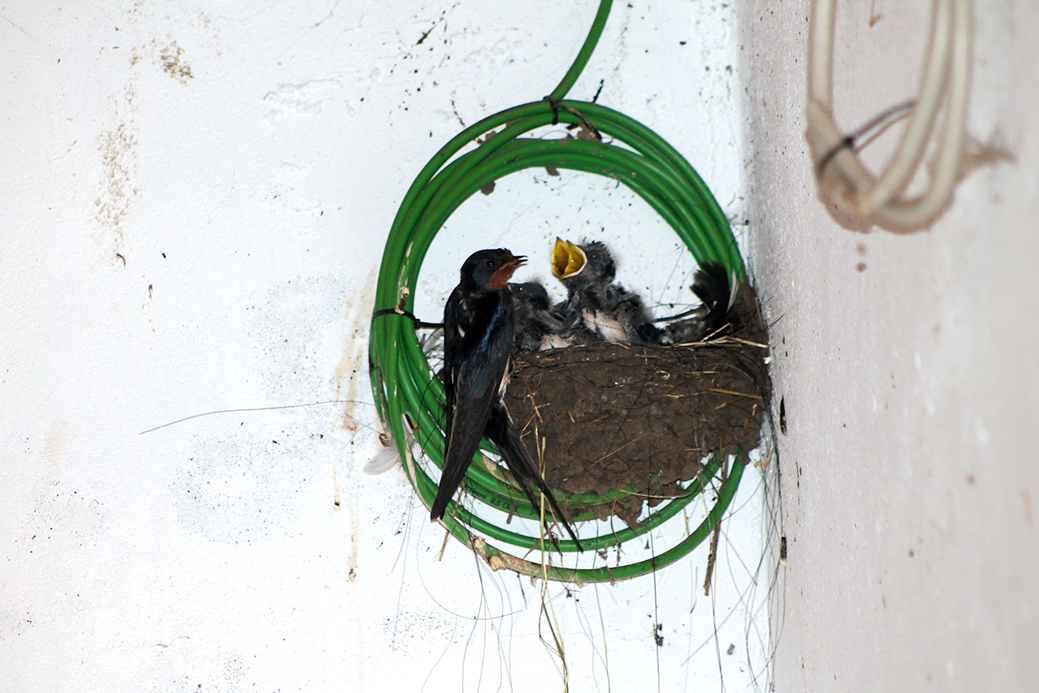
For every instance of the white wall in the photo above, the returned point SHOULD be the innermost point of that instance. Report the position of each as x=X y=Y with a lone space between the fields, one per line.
x=910 y=478
x=195 y=197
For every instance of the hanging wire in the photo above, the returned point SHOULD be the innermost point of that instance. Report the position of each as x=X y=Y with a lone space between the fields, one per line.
x=409 y=396
x=854 y=195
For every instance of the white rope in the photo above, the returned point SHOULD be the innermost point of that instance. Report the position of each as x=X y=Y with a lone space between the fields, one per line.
x=854 y=195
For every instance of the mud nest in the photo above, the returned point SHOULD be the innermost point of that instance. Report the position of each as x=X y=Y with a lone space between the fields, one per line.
x=643 y=418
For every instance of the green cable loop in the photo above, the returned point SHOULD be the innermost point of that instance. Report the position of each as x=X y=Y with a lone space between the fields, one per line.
x=583 y=55
x=402 y=380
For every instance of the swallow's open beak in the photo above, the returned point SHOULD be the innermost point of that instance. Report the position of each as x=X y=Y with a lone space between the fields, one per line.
x=514 y=263
x=567 y=259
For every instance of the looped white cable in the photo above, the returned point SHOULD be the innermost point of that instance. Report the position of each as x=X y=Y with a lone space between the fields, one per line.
x=856 y=198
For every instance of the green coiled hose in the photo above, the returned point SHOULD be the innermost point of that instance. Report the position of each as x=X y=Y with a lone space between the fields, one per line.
x=402 y=380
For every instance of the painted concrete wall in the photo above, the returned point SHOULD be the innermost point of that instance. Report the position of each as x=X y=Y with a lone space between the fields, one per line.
x=195 y=200
x=196 y=196
x=907 y=366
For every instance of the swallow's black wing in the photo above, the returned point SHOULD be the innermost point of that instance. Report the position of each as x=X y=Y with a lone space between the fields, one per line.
x=478 y=331
x=716 y=289
x=713 y=286
x=502 y=432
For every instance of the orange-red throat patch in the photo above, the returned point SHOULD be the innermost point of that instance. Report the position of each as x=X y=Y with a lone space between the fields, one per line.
x=503 y=274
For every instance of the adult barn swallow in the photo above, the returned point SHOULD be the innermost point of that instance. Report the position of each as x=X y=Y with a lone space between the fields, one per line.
x=716 y=288
x=478 y=332
x=597 y=308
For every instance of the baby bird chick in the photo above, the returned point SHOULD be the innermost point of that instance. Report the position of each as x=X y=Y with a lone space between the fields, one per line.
x=597 y=308
x=537 y=326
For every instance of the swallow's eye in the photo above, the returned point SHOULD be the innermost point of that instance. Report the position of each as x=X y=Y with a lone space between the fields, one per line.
x=491 y=264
